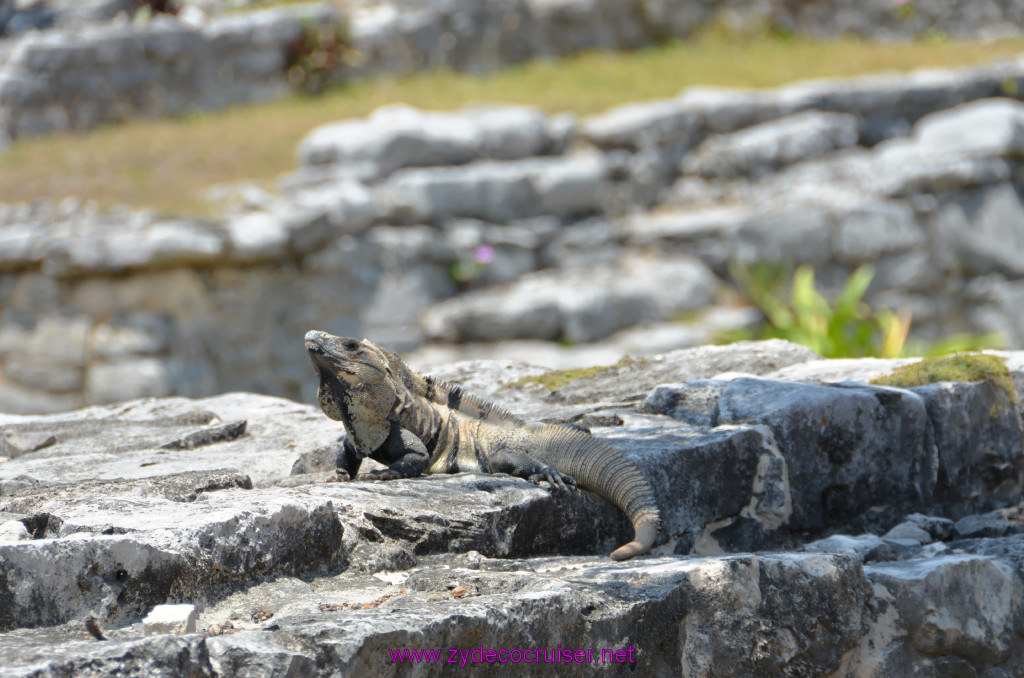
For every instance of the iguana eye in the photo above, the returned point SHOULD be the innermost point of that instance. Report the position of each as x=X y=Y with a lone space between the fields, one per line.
x=351 y=345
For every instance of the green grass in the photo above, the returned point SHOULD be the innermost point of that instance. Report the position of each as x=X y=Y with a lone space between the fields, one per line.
x=166 y=164
x=956 y=367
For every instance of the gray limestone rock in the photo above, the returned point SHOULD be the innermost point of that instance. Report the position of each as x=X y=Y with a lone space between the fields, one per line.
x=985 y=128
x=35 y=336
x=634 y=126
x=13 y=530
x=985 y=231
x=399 y=136
x=693 y=402
x=875 y=228
x=853 y=429
x=901 y=168
x=126 y=379
x=499 y=192
x=935 y=526
x=886 y=422
x=984 y=592
x=941 y=460
x=863 y=546
x=579 y=305
x=129 y=335
x=908 y=531
x=763 y=148
x=43 y=373
x=723 y=110
x=992 y=524
x=537 y=604
x=97 y=247
x=839 y=370
x=633 y=381
x=980 y=443
x=256 y=235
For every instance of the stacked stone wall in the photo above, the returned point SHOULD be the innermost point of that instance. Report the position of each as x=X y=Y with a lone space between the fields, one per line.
x=86 y=69
x=503 y=224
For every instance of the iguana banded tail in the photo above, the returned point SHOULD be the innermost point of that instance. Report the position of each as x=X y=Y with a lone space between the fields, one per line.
x=415 y=424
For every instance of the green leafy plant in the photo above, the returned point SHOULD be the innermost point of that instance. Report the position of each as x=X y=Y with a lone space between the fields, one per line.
x=904 y=9
x=846 y=328
x=314 y=59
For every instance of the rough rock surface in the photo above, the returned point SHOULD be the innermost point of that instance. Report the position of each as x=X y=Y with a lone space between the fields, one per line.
x=110 y=511
x=580 y=305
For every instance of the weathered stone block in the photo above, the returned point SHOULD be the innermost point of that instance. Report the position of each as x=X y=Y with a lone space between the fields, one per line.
x=398 y=136
x=97 y=247
x=763 y=148
x=40 y=336
x=851 y=451
x=659 y=123
x=961 y=605
x=256 y=236
x=980 y=443
x=581 y=305
x=989 y=127
x=125 y=379
x=43 y=373
x=129 y=335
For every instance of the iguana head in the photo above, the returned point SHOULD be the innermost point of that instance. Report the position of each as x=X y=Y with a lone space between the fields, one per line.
x=357 y=386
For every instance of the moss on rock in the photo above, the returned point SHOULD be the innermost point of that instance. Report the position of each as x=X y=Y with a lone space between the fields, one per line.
x=556 y=379
x=953 y=367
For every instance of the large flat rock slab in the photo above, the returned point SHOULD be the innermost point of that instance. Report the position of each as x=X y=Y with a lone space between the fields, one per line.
x=151 y=437
x=227 y=504
x=808 y=614
x=668 y=615
x=197 y=535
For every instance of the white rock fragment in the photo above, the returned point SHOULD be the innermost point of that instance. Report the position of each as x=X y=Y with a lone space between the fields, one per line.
x=178 y=619
x=909 y=532
x=13 y=530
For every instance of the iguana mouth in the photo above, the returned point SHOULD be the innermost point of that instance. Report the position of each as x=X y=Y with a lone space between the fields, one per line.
x=321 y=360
x=315 y=340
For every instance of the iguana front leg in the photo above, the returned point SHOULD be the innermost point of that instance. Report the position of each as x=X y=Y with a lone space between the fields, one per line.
x=522 y=465
x=349 y=461
x=403 y=453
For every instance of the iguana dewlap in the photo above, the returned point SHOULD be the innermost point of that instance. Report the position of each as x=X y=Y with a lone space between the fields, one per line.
x=414 y=424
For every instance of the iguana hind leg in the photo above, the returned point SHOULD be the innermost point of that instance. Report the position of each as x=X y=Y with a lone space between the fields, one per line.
x=404 y=454
x=522 y=465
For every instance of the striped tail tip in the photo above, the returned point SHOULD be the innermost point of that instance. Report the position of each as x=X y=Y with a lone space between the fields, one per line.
x=644 y=538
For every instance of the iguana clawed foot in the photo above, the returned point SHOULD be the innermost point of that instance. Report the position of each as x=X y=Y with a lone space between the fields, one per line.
x=558 y=481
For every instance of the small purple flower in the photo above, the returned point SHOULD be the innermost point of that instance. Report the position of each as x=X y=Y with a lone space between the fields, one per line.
x=483 y=254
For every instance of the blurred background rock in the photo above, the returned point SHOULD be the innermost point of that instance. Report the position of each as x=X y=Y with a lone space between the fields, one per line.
x=188 y=187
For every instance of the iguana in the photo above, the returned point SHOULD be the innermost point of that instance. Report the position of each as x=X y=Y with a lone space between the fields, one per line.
x=415 y=424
